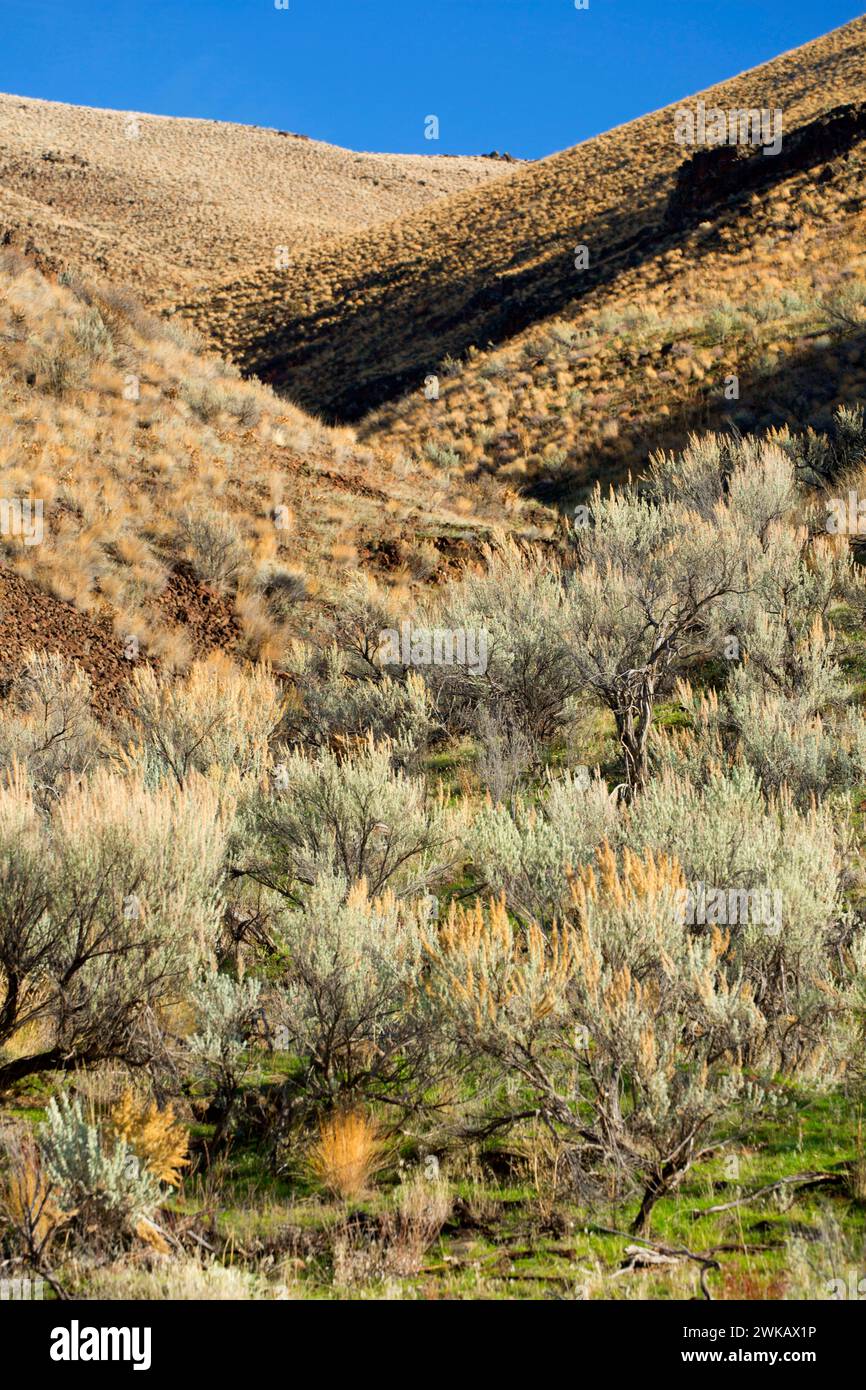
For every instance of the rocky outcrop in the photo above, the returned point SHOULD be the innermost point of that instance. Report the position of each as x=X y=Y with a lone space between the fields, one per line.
x=723 y=172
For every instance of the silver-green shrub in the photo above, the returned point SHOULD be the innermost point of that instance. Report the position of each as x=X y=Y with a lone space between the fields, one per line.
x=528 y=679
x=345 y=996
x=647 y=573
x=528 y=849
x=217 y=717
x=332 y=701
x=779 y=617
x=228 y=1013
x=777 y=735
x=106 y=1186
x=356 y=817
x=787 y=867
x=106 y=907
x=47 y=722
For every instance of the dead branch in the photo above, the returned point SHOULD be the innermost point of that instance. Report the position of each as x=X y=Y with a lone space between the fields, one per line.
x=803 y=1179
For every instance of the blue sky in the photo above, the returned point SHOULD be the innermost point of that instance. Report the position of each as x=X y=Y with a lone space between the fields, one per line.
x=528 y=76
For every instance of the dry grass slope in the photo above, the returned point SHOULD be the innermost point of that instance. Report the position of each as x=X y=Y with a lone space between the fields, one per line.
x=170 y=206
x=166 y=500
x=768 y=288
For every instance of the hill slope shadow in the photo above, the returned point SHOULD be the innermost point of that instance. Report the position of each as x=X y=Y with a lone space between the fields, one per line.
x=802 y=393
x=400 y=329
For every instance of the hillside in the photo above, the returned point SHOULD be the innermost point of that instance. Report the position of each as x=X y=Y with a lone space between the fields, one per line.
x=699 y=269
x=172 y=206
x=432 y=739
x=749 y=313
x=178 y=504
x=352 y=323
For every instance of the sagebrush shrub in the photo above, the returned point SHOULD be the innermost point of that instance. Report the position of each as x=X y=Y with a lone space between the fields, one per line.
x=364 y=612
x=727 y=835
x=779 y=617
x=528 y=849
x=333 y=704
x=344 y=995
x=213 y=546
x=93 y=336
x=777 y=735
x=529 y=679
x=205 y=399
x=106 y=906
x=660 y=1006
x=217 y=717
x=647 y=573
x=358 y=817
x=47 y=723
x=228 y=1012
x=110 y=1190
x=752 y=479
x=617 y=1026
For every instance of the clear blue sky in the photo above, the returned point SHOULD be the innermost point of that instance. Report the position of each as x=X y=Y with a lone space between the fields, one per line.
x=529 y=76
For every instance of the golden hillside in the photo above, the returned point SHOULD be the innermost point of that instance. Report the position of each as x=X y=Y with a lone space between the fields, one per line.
x=191 y=509
x=149 y=493
x=753 y=316
x=347 y=325
x=169 y=205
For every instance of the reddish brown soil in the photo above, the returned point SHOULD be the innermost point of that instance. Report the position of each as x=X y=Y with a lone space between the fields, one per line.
x=206 y=616
x=33 y=619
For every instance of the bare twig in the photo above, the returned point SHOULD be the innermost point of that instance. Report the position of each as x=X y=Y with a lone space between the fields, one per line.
x=802 y=1179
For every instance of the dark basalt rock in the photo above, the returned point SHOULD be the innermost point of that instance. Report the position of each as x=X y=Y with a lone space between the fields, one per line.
x=721 y=172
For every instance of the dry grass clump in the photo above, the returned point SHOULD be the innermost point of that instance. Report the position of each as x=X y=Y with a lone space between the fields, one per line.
x=403 y=1236
x=26 y=1200
x=183 y=1279
x=153 y=1135
x=422 y=1208
x=347 y=1154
